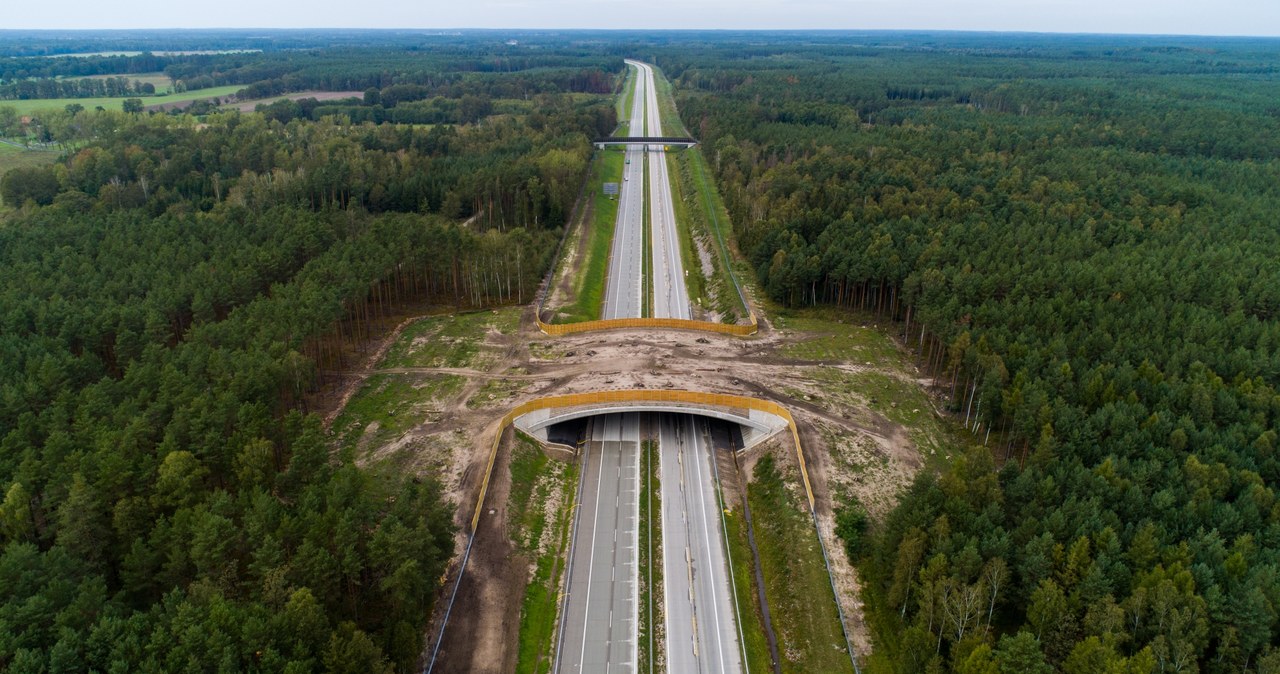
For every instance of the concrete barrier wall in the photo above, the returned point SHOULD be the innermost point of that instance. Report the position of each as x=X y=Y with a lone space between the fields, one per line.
x=641 y=396
x=756 y=425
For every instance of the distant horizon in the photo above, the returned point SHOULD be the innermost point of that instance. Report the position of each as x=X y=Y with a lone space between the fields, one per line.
x=428 y=30
x=446 y=31
x=1164 y=18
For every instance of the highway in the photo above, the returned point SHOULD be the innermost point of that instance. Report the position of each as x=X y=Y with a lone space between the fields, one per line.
x=599 y=632
x=670 y=297
x=599 y=626
x=624 y=287
x=700 y=623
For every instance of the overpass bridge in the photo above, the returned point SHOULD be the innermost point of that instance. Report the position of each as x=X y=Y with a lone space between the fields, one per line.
x=668 y=141
x=756 y=425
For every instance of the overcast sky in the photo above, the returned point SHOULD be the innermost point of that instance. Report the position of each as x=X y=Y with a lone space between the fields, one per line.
x=1199 y=17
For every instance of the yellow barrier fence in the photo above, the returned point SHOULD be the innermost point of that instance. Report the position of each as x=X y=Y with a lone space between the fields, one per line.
x=686 y=397
x=737 y=329
x=639 y=396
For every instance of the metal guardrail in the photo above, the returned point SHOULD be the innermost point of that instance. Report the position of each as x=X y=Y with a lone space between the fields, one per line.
x=648 y=396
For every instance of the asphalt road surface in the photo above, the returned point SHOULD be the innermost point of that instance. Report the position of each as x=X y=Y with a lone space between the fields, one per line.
x=670 y=297
x=624 y=288
x=700 y=623
x=599 y=628
x=599 y=632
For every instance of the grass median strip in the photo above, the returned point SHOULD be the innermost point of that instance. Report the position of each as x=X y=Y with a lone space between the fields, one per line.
x=650 y=556
x=646 y=281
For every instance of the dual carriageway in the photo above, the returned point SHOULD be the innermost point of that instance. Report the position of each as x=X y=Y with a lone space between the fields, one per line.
x=599 y=627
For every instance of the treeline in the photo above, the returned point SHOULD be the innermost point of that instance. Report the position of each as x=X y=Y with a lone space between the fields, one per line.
x=81 y=88
x=1079 y=249
x=518 y=171
x=14 y=69
x=168 y=306
x=275 y=78
x=448 y=71
x=408 y=104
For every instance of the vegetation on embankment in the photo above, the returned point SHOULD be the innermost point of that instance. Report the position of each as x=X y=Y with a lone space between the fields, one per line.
x=540 y=508
x=694 y=281
x=702 y=221
x=797 y=586
x=588 y=269
x=750 y=611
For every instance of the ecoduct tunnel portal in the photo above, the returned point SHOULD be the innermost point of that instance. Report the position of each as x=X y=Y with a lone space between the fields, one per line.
x=569 y=425
x=601 y=605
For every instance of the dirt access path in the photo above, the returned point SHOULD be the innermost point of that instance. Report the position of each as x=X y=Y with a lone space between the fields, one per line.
x=852 y=443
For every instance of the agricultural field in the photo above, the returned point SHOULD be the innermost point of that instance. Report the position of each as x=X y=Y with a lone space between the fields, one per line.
x=162 y=82
x=34 y=106
x=15 y=156
x=1018 y=293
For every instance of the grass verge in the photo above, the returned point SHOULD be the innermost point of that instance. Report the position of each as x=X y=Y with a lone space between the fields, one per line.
x=541 y=533
x=451 y=340
x=625 y=101
x=797 y=586
x=593 y=261
x=671 y=123
x=388 y=405
x=713 y=217
x=700 y=213
x=753 y=631
x=695 y=281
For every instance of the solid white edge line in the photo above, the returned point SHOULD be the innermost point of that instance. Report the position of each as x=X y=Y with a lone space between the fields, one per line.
x=706 y=541
x=591 y=562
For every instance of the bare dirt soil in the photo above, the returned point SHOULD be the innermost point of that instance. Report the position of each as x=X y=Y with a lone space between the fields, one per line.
x=485 y=641
x=851 y=445
x=572 y=257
